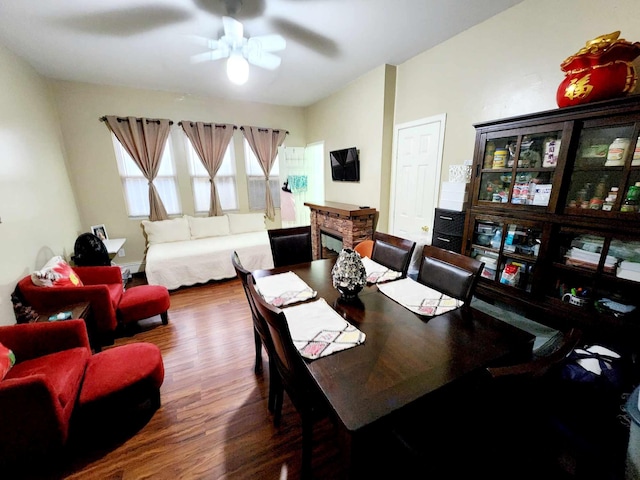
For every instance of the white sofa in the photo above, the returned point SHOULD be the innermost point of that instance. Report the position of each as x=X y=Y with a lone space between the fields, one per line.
x=189 y=250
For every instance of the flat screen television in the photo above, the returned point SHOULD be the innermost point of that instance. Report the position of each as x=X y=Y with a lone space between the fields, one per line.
x=345 y=165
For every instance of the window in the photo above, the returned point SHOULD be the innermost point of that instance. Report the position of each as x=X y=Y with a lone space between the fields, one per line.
x=255 y=180
x=225 y=180
x=135 y=186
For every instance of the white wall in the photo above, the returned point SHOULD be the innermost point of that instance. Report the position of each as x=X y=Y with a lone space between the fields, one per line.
x=508 y=65
x=356 y=116
x=37 y=206
x=91 y=159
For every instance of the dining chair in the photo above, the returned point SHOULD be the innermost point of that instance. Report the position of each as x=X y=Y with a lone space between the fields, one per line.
x=364 y=248
x=261 y=335
x=290 y=246
x=503 y=413
x=392 y=252
x=293 y=376
x=449 y=272
x=524 y=405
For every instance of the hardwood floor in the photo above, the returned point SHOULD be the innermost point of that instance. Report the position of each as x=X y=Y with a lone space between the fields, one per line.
x=213 y=422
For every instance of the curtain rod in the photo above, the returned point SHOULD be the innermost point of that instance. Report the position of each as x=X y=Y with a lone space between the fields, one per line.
x=217 y=125
x=266 y=130
x=122 y=119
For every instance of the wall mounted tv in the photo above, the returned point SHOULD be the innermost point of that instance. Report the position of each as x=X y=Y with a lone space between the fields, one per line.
x=345 y=165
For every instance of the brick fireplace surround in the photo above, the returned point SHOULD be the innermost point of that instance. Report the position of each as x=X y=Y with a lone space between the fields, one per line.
x=350 y=223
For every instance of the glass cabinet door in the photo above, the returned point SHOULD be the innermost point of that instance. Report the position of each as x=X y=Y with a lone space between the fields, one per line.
x=519 y=169
x=509 y=251
x=605 y=172
x=604 y=272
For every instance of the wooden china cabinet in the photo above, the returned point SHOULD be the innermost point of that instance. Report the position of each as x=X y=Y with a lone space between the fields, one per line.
x=549 y=215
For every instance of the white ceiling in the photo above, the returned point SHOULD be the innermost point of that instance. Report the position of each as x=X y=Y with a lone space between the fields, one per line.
x=145 y=43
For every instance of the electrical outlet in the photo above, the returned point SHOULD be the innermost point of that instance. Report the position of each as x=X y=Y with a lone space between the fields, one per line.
x=121 y=252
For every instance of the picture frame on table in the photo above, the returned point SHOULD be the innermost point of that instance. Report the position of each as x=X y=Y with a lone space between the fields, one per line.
x=100 y=231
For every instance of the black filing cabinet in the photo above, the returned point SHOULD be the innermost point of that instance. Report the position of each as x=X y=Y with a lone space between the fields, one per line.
x=448 y=227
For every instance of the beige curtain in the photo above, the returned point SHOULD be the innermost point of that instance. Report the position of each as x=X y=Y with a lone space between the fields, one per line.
x=265 y=142
x=210 y=142
x=144 y=139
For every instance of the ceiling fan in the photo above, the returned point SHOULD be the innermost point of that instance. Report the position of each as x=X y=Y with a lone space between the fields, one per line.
x=241 y=51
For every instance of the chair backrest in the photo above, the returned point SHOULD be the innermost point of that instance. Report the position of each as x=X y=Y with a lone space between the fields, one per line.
x=90 y=251
x=258 y=322
x=290 y=246
x=364 y=248
x=288 y=361
x=392 y=252
x=449 y=272
x=541 y=364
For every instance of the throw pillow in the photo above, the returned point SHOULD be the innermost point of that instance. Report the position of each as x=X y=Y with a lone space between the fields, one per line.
x=56 y=273
x=163 y=231
x=246 y=222
x=7 y=360
x=202 y=227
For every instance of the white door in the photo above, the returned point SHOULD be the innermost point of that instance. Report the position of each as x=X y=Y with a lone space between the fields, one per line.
x=416 y=178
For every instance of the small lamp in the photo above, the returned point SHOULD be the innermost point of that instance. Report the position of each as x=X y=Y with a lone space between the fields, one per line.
x=237 y=68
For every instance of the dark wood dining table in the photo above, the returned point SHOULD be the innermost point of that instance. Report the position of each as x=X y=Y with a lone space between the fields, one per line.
x=404 y=358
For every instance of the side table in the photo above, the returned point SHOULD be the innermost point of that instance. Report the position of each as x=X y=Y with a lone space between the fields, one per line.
x=78 y=310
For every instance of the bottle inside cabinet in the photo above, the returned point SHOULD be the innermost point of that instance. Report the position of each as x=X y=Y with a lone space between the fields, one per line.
x=508 y=250
x=519 y=169
x=598 y=174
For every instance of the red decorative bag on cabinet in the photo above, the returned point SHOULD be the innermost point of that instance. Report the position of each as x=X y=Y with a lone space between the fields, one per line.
x=599 y=71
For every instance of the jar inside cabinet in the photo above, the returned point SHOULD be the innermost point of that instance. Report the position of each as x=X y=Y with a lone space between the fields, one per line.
x=598 y=176
x=519 y=169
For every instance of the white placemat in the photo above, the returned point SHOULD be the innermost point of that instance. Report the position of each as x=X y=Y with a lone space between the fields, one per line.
x=284 y=289
x=318 y=330
x=377 y=273
x=419 y=298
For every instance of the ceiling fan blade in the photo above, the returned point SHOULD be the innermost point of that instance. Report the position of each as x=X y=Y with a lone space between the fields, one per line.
x=312 y=40
x=232 y=27
x=264 y=59
x=268 y=43
x=205 y=42
x=125 y=22
x=210 y=56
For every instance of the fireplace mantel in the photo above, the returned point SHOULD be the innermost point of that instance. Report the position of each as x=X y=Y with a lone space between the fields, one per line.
x=349 y=222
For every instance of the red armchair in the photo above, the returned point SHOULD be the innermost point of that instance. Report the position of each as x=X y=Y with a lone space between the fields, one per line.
x=102 y=288
x=38 y=395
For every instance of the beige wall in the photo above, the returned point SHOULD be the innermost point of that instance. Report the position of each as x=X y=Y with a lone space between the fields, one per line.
x=506 y=66
x=356 y=116
x=37 y=206
x=91 y=159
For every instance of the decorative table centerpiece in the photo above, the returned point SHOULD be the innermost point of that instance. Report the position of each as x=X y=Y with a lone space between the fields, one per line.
x=349 y=274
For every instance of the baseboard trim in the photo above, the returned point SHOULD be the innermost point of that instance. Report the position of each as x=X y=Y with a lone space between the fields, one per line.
x=134 y=267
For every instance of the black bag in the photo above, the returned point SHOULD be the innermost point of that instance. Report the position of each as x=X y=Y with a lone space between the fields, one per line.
x=612 y=375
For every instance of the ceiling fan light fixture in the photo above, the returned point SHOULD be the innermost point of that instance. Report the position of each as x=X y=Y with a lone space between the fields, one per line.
x=237 y=68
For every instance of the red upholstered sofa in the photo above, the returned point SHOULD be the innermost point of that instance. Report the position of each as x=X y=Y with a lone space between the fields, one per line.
x=102 y=288
x=38 y=395
x=56 y=382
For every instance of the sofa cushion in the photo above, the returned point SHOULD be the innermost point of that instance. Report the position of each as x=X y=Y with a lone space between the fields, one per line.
x=63 y=371
x=162 y=231
x=7 y=360
x=56 y=273
x=246 y=222
x=203 y=227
